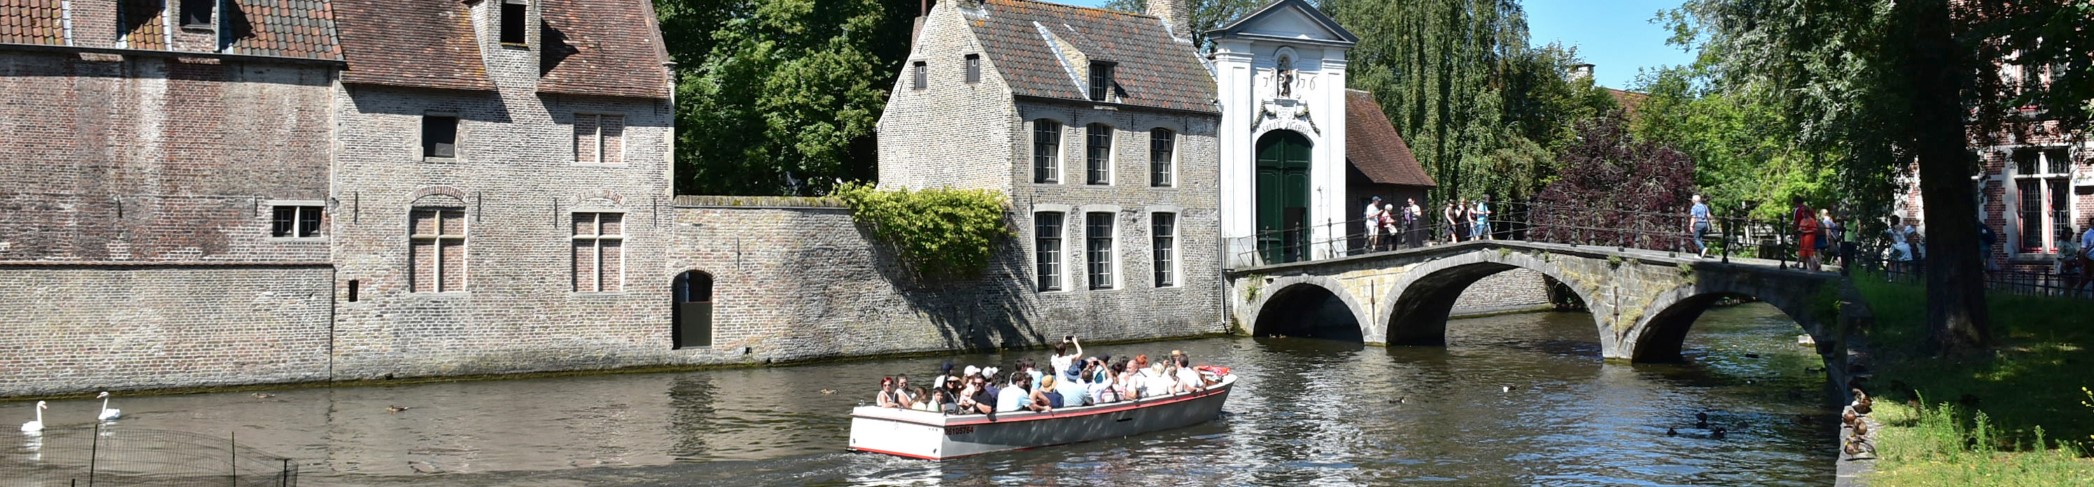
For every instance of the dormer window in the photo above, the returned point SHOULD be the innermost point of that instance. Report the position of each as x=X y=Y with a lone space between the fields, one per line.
x=513 y=20
x=196 y=14
x=1101 y=81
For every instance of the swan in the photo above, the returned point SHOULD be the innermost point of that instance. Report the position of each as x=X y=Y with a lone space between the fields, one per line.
x=107 y=414
x=38 y=425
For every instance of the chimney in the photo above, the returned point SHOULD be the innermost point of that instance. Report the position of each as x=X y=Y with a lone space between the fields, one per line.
x=1581 y=72
x=1177 y=14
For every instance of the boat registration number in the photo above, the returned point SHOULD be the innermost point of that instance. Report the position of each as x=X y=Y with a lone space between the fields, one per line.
x=958 y=430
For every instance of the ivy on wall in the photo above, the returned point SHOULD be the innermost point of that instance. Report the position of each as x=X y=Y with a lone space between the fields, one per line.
x=938 y=233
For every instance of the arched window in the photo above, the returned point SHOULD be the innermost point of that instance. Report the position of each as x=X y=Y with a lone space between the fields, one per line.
x=692 y=310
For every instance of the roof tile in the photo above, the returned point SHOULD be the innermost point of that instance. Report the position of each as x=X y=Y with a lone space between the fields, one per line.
x=32 y=22
x=602 y=47
x=414 y=43
x=1373 y=146
x=284 y=28
x=1153 y=69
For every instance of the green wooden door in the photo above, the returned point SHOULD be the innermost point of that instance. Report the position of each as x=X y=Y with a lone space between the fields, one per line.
x=1283 y=197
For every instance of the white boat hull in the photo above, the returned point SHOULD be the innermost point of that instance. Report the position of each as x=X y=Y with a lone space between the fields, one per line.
x=935 y=436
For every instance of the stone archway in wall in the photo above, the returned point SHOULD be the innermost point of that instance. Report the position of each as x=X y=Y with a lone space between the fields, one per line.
x=1660 y=335
x=1416 y=309
x=1307 y=307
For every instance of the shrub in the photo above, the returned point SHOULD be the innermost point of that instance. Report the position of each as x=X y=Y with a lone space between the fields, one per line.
x=939 y=233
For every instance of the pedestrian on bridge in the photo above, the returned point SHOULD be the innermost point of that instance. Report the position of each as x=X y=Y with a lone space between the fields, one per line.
x=1483 y=219
x=1413 y=223
x=1698 y=225
x=1447 y=216
x=1371 y=218
x=1806 y=225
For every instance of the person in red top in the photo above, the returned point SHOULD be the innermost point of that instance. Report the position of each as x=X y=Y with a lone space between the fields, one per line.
x=1806 y=234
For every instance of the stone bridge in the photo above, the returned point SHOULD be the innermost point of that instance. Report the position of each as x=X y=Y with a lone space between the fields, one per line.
x=1642 y=302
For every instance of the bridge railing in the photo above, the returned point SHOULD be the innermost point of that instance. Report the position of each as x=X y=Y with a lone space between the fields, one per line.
x=1525 y=221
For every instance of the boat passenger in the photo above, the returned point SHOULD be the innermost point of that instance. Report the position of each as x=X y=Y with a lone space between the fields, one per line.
x=1064 y=362
x=1032 y=373
x=1050 y=390
x=1013 y=396
x=975 y=398
x=1188 y=379
x=887 y=397
x=1100 y=388
x=994 y=383
x=1155 y=382
x=1074 y=392
x=1036 y=400
x=922 y=400
x=945 y=395
x=903 y=393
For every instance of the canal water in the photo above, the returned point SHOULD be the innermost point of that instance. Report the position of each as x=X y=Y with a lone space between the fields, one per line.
x=1308 y=412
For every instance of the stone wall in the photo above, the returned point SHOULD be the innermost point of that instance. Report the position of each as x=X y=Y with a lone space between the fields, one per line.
x=76 y=328
x=1512 y=290
x=806 y=283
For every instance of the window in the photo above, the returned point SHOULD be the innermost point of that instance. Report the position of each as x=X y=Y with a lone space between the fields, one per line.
x=295 y=222
x=1047 y=250
x=599 y=138
x=513 y=21
x=921 y=76
x=974 y=68
x=196 y=14
x=1098 y=153
x=1046 y=151
x=1101 y=81
x=439 y=136
x=436 y=256
x=1163 y=236
x=2042 y=178
x=1162 y=144
x=599 y=252
x=1098 y=234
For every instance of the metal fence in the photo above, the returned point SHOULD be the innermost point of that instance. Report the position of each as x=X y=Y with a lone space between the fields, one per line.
x=121 y=456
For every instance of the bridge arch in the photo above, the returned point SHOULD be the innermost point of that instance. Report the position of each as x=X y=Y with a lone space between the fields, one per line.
x=1415 y=310
x=1659 y=335
x=1305 y=306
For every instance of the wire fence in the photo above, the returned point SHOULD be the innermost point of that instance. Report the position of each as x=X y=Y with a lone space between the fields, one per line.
x=113 y=456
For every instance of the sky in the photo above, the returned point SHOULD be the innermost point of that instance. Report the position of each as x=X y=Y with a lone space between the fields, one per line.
x=1616 y=36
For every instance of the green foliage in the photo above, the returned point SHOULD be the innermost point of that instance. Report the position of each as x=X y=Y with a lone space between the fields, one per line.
x=2031 y=384
x=774 y=91
x=1743 y=153
x=1250 y=292
x=938 y=233
x=1483 y=111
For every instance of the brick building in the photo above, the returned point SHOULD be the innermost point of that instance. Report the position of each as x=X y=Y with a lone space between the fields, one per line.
x=241 y=191
x=1100 y=126
x=2035 y=188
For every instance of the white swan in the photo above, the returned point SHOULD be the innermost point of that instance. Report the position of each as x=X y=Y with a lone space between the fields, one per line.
x=107 y=414
x=38 y=425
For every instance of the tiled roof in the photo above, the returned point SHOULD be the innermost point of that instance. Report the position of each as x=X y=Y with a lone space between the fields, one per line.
x=602 y=47
x=285 y=28
x=1373 y=146
x=1153 y=70
x=1628 y=100
x=32 y=22
x=142 y=25
x=415 y=43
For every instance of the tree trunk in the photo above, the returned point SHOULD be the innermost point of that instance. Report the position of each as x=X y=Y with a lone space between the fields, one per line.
x=1957 y=318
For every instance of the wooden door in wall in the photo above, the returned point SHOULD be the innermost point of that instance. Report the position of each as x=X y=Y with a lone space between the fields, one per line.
x=692 y=310
x=1283 y=197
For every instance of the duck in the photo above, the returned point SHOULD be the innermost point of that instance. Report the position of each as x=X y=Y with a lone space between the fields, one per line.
x=1718 y=433
x=1505 y=388
x=828 y=391
x=1849 y=417
x=1701 y=420
x=107 y=414
x=263 y=395
x=1671 y=432
x=37 y=426
x=395 y=409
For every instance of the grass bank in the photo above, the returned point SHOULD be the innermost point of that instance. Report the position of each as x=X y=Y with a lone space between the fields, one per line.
x=2017 y=414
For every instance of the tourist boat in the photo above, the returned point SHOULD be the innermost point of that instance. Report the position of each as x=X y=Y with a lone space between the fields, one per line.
x=936 y=436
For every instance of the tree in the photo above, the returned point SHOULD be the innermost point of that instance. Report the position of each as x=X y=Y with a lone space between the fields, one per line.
x=1616 y=190
x=1482 y=110
x=1744 y=156
x=1886 y=85
x=777 y=92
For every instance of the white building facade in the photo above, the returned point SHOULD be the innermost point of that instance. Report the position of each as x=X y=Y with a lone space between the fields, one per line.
x=1280 y=77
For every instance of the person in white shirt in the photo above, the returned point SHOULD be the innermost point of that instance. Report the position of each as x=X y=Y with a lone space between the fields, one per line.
x=1013 y=397
x=1063 y=364
x=1372 y=219
x=1187 y=378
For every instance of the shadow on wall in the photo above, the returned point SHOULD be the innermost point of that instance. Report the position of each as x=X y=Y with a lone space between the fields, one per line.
x=983 y=313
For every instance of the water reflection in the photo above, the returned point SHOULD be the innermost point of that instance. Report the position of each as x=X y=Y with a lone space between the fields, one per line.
x=1309 y=412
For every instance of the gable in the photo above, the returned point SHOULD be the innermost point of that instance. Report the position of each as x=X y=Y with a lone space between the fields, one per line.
x=1043 y=50
x=1293 y=20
